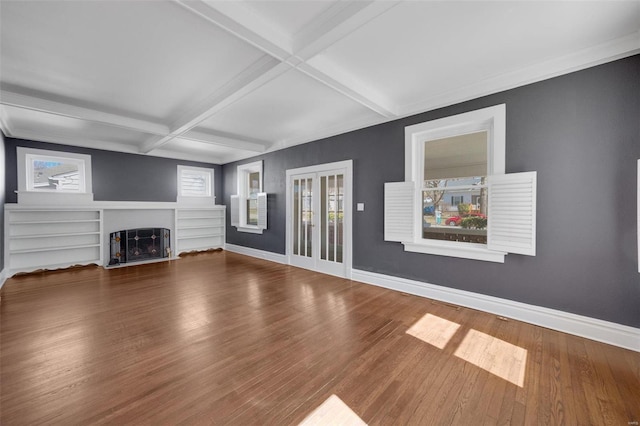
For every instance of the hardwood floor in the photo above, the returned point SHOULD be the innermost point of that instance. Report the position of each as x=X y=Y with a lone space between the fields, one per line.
x=220 y=338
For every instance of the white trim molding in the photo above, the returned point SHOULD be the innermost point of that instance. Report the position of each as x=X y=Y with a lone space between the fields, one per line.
x=3 y=278
x=578 y=325
x=260 y=254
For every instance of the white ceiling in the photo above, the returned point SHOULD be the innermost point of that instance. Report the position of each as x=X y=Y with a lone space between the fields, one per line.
x=218 y=81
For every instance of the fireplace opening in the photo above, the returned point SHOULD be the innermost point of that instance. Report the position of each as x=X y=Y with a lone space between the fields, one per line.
x=136 y=245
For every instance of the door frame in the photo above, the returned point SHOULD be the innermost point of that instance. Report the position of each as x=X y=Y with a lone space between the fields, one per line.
x=347 y=253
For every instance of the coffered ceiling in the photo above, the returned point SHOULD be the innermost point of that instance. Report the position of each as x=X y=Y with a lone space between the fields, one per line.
x=218 y=81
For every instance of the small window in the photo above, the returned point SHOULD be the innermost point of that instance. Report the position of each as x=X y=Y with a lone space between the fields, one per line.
x=53 y=177
x=248 y=206
x=195 y=185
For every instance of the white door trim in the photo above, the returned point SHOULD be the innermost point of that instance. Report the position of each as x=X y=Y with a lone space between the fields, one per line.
x=347 y=165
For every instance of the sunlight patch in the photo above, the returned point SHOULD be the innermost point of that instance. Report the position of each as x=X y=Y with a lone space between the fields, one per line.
x=434 y=330
x=494 y=355
x=333 y=412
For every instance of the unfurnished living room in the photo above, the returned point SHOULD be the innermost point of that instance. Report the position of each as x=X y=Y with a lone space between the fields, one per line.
x=319 y=212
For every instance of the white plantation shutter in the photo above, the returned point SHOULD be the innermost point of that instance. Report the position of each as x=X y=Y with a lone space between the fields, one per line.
x=194 y=183
x=512 y=213
x=262 y=210
x=235 y=210
x=399 y=211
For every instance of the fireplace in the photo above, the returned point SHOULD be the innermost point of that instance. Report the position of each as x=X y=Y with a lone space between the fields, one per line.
x=136 y=245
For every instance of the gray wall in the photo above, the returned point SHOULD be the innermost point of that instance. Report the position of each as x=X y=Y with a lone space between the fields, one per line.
x=116 y=176
x=580 y=132
x=2 y=201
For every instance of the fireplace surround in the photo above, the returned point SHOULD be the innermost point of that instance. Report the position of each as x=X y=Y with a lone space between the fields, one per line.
x=140 y=244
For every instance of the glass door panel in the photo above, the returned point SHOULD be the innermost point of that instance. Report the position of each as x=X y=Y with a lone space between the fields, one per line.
x=302 y=217
x=332 y=217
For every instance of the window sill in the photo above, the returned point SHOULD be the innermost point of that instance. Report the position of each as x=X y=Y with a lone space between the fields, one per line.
x=250 y=229
x=471 y=252
x=196 y=201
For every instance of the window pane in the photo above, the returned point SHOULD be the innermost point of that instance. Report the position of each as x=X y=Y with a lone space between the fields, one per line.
x=254 y=184
x=456 y=156
x=455 y=215
x=56 y=175
x=252 y=211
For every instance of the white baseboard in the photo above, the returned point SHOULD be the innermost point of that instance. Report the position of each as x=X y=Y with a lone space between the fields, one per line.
x=590 y=328
x=3 y=277
x=260 y=254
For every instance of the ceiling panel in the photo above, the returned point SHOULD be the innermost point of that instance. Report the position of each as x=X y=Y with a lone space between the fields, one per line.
x=288 y=108
x=150 y=59
x=421 y=49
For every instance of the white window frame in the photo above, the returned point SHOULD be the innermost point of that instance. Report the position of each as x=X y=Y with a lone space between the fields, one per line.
x=28 y=194
x=493 y=121
x=238 y=201
x=205 y=199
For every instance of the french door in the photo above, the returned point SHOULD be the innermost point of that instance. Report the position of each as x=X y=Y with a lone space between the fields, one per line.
x=319 y=218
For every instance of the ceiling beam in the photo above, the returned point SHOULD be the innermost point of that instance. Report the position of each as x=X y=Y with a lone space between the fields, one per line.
x=257 y=74
x=19 y=100
x=226 y=140
x=335 y=23
x=238 y=19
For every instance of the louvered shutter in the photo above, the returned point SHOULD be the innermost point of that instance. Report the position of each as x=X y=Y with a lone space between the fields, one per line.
x=512 y=213
x=235 y=210
x=262 y=210
x=399 y=211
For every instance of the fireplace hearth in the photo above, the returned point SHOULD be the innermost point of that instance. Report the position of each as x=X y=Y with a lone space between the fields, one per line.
x=137 y=245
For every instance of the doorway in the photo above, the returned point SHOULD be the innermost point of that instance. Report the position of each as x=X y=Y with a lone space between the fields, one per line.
x=319 y=217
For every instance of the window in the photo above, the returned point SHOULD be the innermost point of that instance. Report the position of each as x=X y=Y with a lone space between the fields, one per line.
x=249 y=205
x=57 y=177
x=456 y=200
x=195 y=185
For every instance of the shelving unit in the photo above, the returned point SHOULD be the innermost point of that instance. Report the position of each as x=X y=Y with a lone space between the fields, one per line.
x=201 y=228
x=52 y=238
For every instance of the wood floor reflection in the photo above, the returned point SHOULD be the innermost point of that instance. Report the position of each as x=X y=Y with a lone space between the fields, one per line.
x=220 y=338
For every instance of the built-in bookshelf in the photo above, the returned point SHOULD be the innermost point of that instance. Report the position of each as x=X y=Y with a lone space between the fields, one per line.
x=200 y=228
x=52 y=238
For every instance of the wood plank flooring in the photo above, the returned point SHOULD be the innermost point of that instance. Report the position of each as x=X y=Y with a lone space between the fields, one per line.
x=220 y=338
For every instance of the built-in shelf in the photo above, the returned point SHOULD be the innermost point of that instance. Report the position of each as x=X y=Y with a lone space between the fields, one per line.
x=53 y=237
x=47 y=249
x=200 y=229
x=72 y=234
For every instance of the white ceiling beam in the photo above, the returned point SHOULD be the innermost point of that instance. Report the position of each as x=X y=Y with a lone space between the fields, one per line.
x=239 y=20
x=4 y=122
x=18 y=100
x=335 y=23
x=225 y=140
x=253 y=77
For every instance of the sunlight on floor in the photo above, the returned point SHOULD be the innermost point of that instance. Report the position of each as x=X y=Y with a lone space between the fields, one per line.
x=434 y=330
x=333 y=412
x=494 y=355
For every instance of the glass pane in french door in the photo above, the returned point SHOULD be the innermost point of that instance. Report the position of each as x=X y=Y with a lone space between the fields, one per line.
x=302 y=217
x=331 y=217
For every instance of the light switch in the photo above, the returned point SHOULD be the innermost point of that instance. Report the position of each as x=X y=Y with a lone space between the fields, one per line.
x=360 y=207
